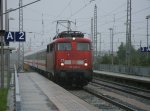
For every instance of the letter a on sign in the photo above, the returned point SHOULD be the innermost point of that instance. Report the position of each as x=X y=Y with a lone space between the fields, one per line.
x=9 y=36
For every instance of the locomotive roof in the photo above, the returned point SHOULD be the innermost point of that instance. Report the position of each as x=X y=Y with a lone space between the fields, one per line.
x=70 y=39
x=69 y=34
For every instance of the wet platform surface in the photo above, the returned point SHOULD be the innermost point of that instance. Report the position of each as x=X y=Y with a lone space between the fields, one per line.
x=126 y=76
x=41 y=94
x=32 y=97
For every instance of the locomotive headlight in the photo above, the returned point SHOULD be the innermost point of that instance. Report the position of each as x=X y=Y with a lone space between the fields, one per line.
x=73 y=38
x=85 y=64
x=62 y=64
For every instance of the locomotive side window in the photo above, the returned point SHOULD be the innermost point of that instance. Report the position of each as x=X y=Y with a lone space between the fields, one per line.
x=83 y=46
x=47 y=48
x=64 y=46
x=51 y=47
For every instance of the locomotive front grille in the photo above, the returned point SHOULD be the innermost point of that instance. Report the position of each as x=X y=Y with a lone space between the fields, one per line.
x=67 y=62
x=79 y=62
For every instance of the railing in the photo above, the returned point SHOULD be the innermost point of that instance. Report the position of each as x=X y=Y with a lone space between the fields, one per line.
x=17 y=92
x=134 y=70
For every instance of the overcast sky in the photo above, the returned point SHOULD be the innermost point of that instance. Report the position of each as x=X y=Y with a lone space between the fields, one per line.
x=110 y=13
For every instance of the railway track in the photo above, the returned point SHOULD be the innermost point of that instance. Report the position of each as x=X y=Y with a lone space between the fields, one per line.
x=126 y=98
x=143 y=93
x=95 y=101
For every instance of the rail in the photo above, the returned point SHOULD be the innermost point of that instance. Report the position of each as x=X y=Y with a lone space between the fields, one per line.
x=17 y=92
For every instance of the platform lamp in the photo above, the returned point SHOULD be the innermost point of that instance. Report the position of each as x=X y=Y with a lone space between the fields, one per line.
x=9 y=18
x=9 y=22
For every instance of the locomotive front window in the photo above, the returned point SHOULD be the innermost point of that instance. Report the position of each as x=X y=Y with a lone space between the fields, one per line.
x=64 y=46
x=83 y=46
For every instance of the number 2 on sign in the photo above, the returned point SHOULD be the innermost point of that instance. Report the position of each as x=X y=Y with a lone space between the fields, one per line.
x=22 y=35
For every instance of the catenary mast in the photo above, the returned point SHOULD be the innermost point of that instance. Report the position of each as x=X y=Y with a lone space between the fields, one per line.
x=21 y=44
x=128 y=34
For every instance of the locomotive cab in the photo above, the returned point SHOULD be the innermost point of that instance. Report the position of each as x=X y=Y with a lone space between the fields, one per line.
x=69 y=58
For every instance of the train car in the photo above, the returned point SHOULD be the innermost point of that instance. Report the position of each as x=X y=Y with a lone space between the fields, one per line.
x=67 y=59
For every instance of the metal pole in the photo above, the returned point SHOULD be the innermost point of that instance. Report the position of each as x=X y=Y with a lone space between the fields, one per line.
x=95 y=30
x=1 y=21
x=6 y=16
x=92 y=30
x=7 y=51
x=111 y=44
x=147 y=32
x=100 y=46
x=2 y=47
x=99 y=41
x=69 y=24
x=128 y=34
x=110 y=40
x=92 y=36
x=112 y=47
x=21 y=45
x=147 y=17
x=130 y=53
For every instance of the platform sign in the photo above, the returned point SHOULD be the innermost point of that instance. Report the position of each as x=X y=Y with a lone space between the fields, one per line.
x=15 y=36
x=20 y=36
x=145 y=49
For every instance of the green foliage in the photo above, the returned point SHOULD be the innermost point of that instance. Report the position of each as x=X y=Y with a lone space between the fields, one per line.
x=138 y=58
x=121 y=54
x=106 y=59
x=144 y=59
x=135 y=57
x=116 y=60
x=3 y=99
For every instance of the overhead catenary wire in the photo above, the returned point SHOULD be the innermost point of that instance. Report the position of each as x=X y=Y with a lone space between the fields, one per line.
x=114 y=10
x=64 y=9
x=20 y=7
x=122 y=17
x=79 y=10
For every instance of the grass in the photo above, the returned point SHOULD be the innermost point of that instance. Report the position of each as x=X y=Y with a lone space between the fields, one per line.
x=3 y=99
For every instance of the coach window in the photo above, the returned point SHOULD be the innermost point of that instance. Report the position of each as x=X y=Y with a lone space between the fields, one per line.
x=64 y=46
x=83 y=46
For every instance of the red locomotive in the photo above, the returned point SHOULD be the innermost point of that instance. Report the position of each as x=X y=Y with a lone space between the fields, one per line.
x=67 y=59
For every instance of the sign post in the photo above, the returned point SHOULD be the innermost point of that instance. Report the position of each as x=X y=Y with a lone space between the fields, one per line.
x=2 y=32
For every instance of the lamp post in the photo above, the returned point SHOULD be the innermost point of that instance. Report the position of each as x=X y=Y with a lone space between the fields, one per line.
x=7 y=18
x=9 y=22
x=99 y=43
x=111 y=44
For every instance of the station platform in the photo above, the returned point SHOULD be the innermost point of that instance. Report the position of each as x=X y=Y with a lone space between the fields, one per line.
x=125 y=76
x=40 y=94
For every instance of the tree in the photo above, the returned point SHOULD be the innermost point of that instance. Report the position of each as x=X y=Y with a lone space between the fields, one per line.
x=121 y=54
x=106 y=59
